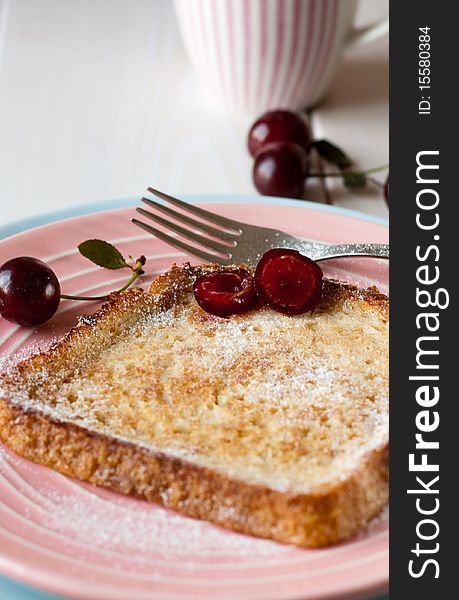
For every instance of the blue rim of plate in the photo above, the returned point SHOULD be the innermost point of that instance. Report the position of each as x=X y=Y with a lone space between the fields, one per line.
x=22 y=225
x=16 y=590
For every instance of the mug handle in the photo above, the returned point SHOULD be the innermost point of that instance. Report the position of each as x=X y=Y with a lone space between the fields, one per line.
x=362 y=35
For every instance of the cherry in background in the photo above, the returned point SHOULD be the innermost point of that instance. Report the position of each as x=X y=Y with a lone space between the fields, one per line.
x=280 y=142
x=280 y=169
x=29 y=291
x=279 y=126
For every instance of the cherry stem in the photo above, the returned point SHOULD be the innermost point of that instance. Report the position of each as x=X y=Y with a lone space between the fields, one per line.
x=136 y=272
x=323 y=182
x=375 y=182
x=322 y=174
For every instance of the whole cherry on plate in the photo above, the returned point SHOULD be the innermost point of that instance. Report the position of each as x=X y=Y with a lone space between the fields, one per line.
x=29 y=291
x=289 y=282
x=279 y=126
x=226 y=292
x=280 y=169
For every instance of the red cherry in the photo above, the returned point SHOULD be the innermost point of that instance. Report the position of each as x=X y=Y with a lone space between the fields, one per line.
x=29 y=291
x=288 y=281
x=280 y=169
x=226 y=292
x=279 y=126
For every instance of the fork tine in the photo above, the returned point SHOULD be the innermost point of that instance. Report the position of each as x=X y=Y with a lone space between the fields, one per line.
x=181 y=245
x=218 y=233
x=189 y=235
x=200 y=212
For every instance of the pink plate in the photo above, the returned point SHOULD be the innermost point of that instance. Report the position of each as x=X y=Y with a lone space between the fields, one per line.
x=87 y=543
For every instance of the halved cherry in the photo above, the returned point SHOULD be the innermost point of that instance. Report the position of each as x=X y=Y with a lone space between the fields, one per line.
x=288 y=281
x=226 y=292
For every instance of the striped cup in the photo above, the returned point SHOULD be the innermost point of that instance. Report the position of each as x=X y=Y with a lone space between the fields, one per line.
x=256 y=55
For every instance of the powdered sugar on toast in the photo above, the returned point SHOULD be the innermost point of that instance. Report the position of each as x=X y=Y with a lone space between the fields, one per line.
x=289 y=402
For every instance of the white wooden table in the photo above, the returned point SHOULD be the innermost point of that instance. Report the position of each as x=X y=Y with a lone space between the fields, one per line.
x=97 y=100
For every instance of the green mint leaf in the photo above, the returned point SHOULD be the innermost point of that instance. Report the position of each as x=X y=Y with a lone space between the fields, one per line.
x=354 y=180
x=103 y=254
x=332 y=154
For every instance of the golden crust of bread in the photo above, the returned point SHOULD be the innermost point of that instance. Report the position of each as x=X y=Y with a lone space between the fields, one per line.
x=327 y=514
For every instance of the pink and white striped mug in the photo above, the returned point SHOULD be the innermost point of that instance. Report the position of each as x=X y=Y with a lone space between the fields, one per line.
x=261 y=54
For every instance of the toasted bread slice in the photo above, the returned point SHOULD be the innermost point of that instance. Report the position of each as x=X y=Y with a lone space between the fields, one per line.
x=267 y=424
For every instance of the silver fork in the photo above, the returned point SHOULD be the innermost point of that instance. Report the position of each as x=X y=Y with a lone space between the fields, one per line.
x=225 y=241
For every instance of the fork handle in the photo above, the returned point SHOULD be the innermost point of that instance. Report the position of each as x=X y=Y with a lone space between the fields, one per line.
x=335 y=250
